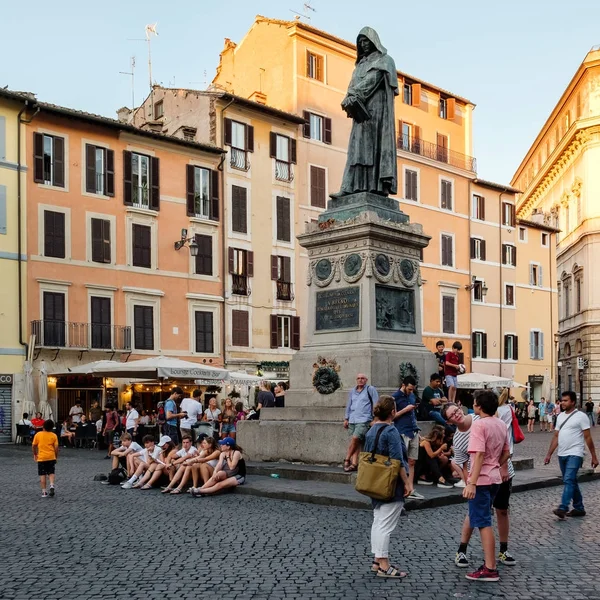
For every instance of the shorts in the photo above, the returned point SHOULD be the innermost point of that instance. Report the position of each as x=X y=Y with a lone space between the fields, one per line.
x=480 y=508
x=359 y=430
x=549 y=418
x=46 y=467
x=412 y=446
x=451 y=381
x=171 y=431
x=240 y=480
x=503 y=495
x=228 y=428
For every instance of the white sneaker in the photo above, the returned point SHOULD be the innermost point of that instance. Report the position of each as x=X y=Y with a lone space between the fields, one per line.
x=127 y=485
x=416 y=496
x=460 y=484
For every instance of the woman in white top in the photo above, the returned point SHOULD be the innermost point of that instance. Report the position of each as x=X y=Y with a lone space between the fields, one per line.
x=212 y=415
x=200 y=466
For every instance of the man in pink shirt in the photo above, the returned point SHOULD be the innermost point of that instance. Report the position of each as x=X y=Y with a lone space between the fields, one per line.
x=488 y=450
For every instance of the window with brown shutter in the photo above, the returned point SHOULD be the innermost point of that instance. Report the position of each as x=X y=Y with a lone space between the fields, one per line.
x=306 y=125
x=447 y=251
x=314 y=66
x=295 y=342
x=141 y=240
x=204 y=331
x=204 y=258
x=317 y=187
x=155 y=181
x=127 y=178
x=54 y=234
x=101 y=241
x=274 y=267
x=283 y=219
x=198 y=183
x=416 y=94
x=49 y=159
x=239 y=219
x=143 y=327
x=411 y=189
x=327 y=130
x=99 y=170
x=239 y=328
x=510 y=295
x=446 y=189
x=274 y=326
x=214 y=195
x=451 y=109
x=442 y=147
x=53 y=330
x=101 y=323
x=448 y=314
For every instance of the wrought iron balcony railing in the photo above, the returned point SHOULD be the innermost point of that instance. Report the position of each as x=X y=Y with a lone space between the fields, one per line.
x=283 y=171
x=240 y=285
x=238 y=159
x=284 y=291
x=80 y=336
x=436 y=152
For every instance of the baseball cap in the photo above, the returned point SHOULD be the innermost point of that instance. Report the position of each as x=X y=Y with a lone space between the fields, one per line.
x=164 y=439
x=228 y=441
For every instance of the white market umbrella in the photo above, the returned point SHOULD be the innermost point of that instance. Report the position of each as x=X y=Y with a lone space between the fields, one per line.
x=161 y=367
x=28 y=402
x=89 y=368
x=479 y=381
x=44 y=405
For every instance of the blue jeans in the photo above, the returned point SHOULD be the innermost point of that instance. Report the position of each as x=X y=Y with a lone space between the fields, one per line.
x=569 y=466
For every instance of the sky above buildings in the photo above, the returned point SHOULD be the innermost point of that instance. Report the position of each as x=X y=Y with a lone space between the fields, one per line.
x=513 y=59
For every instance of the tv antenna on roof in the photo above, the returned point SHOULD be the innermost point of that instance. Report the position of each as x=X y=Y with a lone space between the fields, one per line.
x=132 y=75
x=305 y=14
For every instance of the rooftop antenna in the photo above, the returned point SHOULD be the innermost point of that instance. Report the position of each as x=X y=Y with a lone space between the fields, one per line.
x=305 y=13
x=132 y=75
x=150 y=29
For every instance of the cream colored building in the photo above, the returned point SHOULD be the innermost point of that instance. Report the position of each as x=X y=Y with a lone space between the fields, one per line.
x=264 y=283
x=560 y=180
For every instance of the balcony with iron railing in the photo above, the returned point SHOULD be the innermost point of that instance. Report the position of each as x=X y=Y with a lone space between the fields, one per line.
x=81 y=336
x=283 y=170
x=238 y=159
x=239 y=285
x=435 y=152
x=284 y=291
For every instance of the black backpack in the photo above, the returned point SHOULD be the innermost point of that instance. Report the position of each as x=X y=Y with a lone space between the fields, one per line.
x=117 y=476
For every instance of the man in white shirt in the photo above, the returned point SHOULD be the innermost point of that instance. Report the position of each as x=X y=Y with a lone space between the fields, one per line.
x=188 y=450
x=132 y=420
x=192 y=407
x=25 y=420
x=125 y=452
x=76 y=412
x=572 y=430
x=144 y=458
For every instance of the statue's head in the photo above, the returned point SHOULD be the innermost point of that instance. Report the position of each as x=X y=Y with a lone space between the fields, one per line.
x=365 y=45
x=368 y=42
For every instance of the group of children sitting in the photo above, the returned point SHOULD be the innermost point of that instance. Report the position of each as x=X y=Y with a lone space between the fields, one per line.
x=213 y=466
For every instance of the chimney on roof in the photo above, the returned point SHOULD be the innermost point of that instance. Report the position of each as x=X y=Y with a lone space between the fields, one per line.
x=538 y=216
x=125 y=115
x=259 y=97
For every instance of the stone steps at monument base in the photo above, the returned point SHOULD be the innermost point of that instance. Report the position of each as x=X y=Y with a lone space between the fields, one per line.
x=329 y=474
x=345 y=496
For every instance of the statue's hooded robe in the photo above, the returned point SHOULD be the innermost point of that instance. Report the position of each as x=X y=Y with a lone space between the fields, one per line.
x=372 y=147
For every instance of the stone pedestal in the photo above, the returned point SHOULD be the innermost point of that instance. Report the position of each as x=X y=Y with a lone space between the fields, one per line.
x=364 y=316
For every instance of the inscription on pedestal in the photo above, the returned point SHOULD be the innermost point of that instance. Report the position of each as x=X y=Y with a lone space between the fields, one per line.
x=338 y=309
x=395 y=309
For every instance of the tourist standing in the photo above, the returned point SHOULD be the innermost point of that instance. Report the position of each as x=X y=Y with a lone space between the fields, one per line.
x=542 y=414
x=440 y=356
x=45 y=454
x=265 y=399
x=132 y=420
x=95 y=412
x=433 y=396
x=111 y=426
x=589 y=411
x=405 y=421
x=280 y=389
x=550 y=415
x=451 y=370
x=212 y=415
x=192 y=407
x=572 y=431
x=357 y=418
x=171 y=415
x=386 y=513
x=531 y=410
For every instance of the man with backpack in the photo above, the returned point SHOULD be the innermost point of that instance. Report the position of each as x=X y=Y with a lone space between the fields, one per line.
x=358 y=417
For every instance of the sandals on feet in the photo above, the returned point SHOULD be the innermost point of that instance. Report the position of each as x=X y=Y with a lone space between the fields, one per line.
x=352 y=467
x=391 y=573
x=347 y=465
x=166 y=490
x=146 y=487
x=176 y=491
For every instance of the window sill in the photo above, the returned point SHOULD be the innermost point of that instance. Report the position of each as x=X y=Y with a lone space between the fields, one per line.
x=204 y=221
x=141 y=211
x=56 y=188
x=97 y=196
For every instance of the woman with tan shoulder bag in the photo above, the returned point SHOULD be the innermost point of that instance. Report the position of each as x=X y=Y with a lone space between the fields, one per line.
x=383 y=440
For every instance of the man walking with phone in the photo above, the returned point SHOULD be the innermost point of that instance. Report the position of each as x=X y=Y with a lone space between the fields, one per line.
x=572 y=430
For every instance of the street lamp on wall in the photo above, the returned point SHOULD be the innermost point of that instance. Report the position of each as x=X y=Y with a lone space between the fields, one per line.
x=190 y=242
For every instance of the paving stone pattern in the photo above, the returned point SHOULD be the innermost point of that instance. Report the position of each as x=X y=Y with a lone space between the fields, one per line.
x=94 y=542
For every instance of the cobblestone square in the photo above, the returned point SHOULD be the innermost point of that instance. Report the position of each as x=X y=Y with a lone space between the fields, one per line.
x=95 y=541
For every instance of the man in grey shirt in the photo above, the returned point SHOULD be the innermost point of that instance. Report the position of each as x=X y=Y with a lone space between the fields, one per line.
x=358 y=417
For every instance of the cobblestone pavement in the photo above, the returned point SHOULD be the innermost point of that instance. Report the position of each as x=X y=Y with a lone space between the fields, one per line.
x=94 y=541
x=535 y=445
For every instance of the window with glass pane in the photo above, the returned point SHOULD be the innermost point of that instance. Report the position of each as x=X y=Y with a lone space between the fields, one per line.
x=522 y=234
x=510 y=295
x=316 y=127
x=477 y=344
x=48 y=159
x=239 y=262
x=238 y=135
x=478 y=291
x=201 y=192
x=283 y=148
x=478 y=207
x=407 y=93
x=140 y=169
x=443 y=108
x=406 y=133
x=283 y=331
x=100 y=156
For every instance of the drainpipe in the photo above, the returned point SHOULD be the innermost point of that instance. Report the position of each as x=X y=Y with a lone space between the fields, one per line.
x=554 y=345
x=469 y=209
x=224 y=236
x=501 y=281
x=20 y=121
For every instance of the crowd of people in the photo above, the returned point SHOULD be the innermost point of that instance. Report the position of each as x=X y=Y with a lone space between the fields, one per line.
x=471 y=450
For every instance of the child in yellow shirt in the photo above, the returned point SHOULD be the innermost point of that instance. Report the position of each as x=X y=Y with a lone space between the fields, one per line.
x=45 y=453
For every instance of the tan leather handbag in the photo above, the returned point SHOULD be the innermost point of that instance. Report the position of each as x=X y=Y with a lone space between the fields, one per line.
x=377 y=474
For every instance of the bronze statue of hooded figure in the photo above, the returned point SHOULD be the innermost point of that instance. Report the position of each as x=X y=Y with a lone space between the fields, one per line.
x=371 y=165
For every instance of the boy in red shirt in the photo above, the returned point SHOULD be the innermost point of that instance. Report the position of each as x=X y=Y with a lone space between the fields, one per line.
x=451 y=369
x=45 y=454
